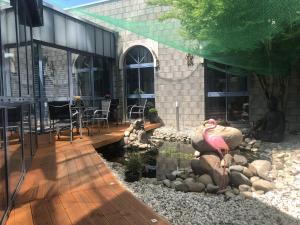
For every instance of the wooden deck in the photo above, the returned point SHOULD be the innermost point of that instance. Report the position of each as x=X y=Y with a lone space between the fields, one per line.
x=70 y=184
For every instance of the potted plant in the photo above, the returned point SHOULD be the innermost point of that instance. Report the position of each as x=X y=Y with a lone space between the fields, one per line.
x=134 y=168
x=153 y=115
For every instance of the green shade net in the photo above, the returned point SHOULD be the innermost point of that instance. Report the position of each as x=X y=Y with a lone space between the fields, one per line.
x=252 y=36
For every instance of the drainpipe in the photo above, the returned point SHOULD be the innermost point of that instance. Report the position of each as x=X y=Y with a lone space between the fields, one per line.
x=177 y=115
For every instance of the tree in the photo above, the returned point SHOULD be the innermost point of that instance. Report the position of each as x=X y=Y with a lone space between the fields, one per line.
x=260 y=37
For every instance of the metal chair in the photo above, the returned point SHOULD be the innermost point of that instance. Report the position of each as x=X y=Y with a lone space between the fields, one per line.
x=62 y=117
x=138 y=109
x=87 y=118
x=103 y=113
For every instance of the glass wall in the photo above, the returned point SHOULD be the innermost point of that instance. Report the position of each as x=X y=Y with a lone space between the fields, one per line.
x=227 y=96
x=35 y=72
x=3 y=185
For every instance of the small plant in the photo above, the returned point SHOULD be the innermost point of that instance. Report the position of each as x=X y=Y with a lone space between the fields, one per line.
x=153 y=115
x=134 y=167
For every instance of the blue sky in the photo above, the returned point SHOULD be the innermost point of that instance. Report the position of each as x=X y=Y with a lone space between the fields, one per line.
x=71 y=3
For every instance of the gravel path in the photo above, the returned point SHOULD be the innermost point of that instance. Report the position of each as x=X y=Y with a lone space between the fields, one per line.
x=278 y=207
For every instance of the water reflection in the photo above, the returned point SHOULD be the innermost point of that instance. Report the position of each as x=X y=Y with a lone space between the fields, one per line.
x=173 y=156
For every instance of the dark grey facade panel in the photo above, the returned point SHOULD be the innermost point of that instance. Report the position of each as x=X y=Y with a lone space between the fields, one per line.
x=99 y=42
x=71 y=36
x=107 y=47
x=90 y=38
x=47 y=31
x=65 y=31
x=60 y=36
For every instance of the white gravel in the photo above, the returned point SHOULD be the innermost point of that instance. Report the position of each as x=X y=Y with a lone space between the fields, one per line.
x=278 y=207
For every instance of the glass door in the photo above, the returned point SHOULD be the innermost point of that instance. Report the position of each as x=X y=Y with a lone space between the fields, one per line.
x=15 y=148
x=3 y=181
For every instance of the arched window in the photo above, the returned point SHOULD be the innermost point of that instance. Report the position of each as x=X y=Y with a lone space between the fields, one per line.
x=139 y=71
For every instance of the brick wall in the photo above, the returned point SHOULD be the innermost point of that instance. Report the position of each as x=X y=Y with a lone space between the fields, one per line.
x=174 y=81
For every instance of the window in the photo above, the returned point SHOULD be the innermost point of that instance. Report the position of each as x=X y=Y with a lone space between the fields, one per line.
x=81 y=73
x=227 y=96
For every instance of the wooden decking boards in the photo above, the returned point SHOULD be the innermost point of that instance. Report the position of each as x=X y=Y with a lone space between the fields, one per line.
x=69 y=184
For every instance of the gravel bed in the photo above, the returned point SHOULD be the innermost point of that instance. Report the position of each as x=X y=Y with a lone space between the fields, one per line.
x=278 y=207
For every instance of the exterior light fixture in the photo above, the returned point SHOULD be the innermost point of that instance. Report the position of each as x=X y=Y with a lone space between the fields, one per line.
x=189 y=59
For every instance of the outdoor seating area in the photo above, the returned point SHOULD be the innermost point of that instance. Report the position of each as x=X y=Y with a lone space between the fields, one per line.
x=145 y=112
x=68 y=183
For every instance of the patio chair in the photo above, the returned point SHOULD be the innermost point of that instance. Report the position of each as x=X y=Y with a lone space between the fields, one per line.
x=138 y=109
x=103 y=113
x=87 y=118
x=62 y=117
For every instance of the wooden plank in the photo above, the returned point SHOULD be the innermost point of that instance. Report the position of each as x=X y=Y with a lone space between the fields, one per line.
x=69 y=183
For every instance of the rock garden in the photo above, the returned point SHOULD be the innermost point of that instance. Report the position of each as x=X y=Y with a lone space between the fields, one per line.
x=254 y=183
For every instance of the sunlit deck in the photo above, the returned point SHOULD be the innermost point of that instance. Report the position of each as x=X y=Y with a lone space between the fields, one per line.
x=70 y=184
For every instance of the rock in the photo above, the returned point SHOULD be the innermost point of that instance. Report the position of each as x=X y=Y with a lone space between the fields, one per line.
x=235 y=191
x=182 y=187
x=132 y=137
x=189 y=180
x=229 y=194
x=176 y=173
x=259 y=192
x=205 y=164
x=253 y=179
x=212 y=188
x=232 y=136
x=262 y=167
x=252 y=142
x=126 y=133
x=167 y=183
x=220 y=177
x=247 y=172
x=205 y=179
x=197 y=154
x=247 y=140
x=236 y=179
x=171 y=177
x=263 y=185
x=257 y=144
x=126 y=140
x=254 y=149
x=228 y=159
x=246 y=194
x=130 y=128
x=237 y=168
x=240 y=160
x=252 y=169
x=195 y=187
x=244 y=188
x=142 y=137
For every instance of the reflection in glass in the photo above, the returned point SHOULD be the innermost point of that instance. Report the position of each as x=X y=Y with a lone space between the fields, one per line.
x=14 y=137
x=81 y=73
x=27 y=135
x=216 y=108
x=147 y=80
x=238 y=108
x=102 y=76
x=133 y=81
x=3 y=193
x=55 y=73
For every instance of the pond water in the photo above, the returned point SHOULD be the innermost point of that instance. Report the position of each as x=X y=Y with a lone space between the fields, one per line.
x=172 y=156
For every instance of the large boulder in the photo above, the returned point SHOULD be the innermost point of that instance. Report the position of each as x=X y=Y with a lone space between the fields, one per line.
x=262 y=167
x=220 y=177
x=232 y=136
x=205 y=163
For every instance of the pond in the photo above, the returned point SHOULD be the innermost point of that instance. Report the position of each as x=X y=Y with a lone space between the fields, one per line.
x=171 y=156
